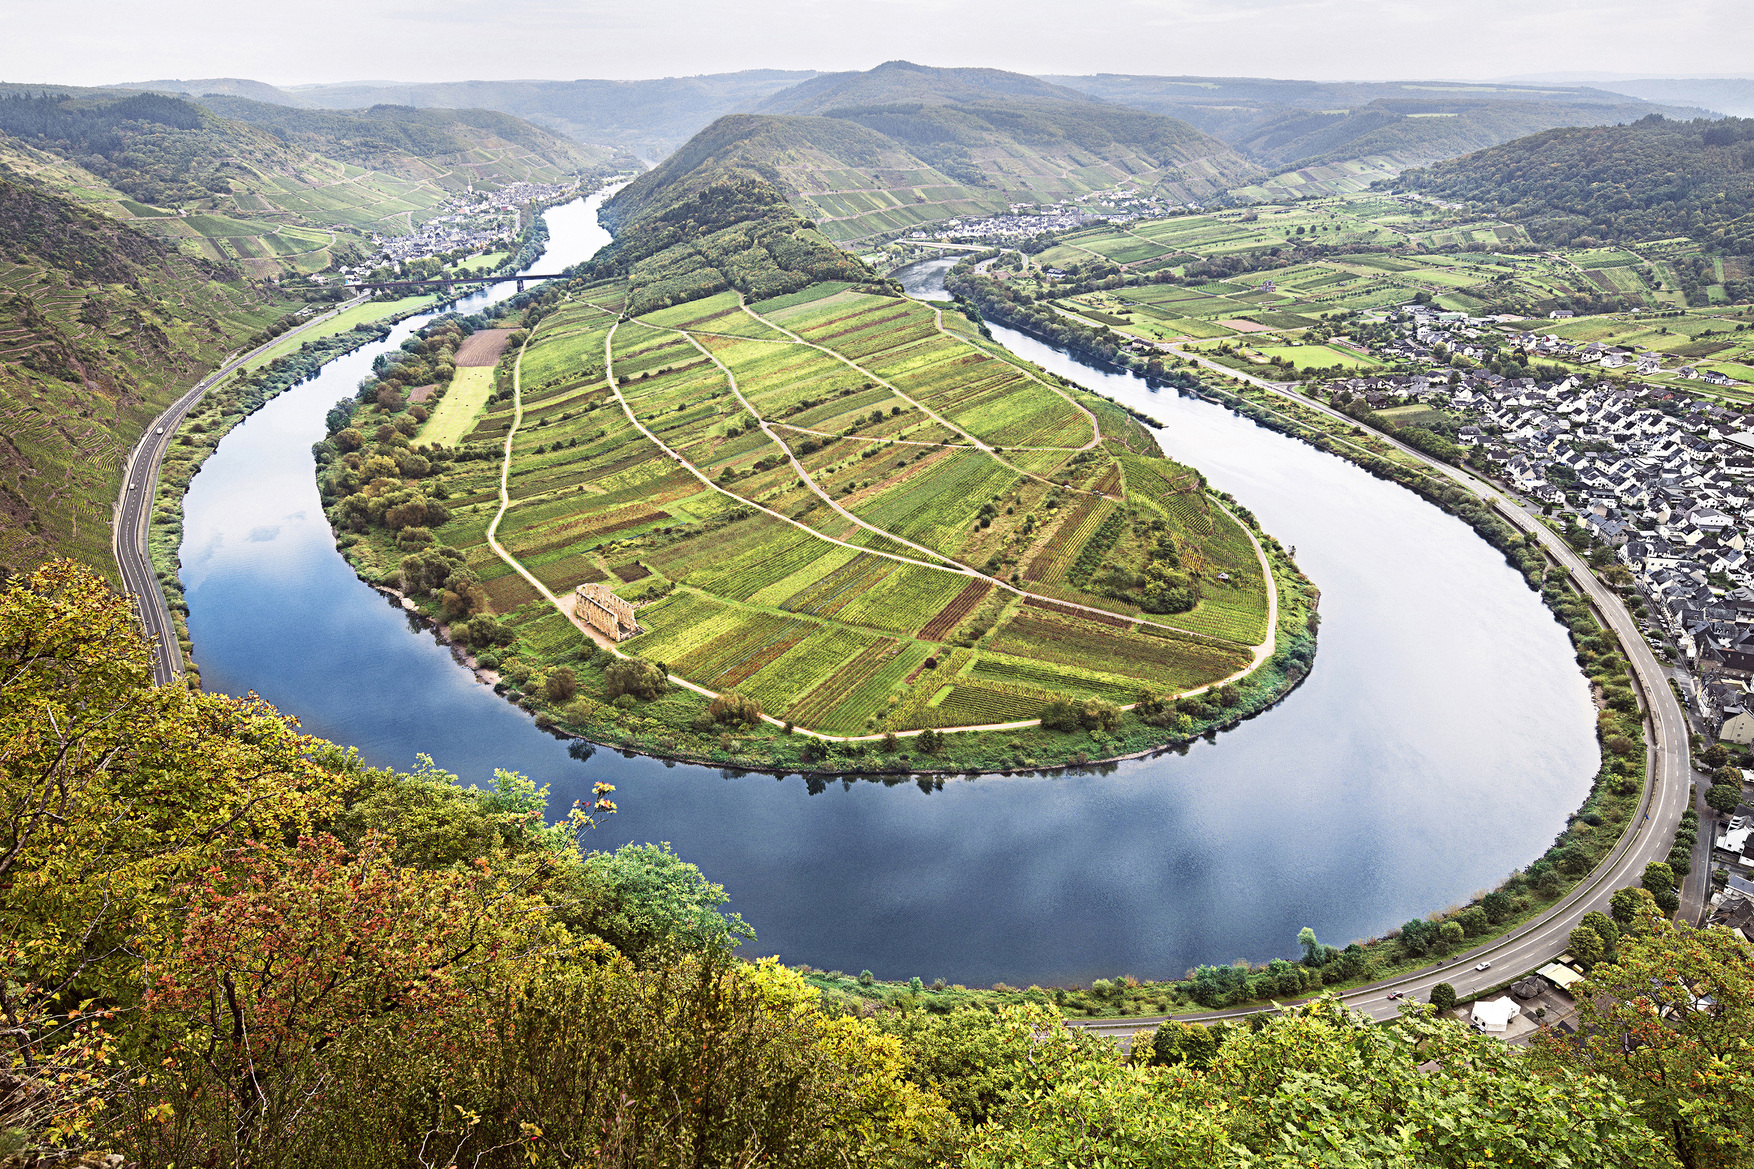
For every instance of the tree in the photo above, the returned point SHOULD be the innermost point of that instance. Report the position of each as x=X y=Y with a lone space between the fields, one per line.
x=734 y=709
x=1319 y=1085
x=280 y=956
x=1607 y=929
x=929 y=741
x=1450 y=935
x=632 y=676
x=1585 y=945
x=1498 y=906
x=1627 y=904
x=1474 y=921
x=1724 y=797
x=1443 y=996
x=1090 y=714
x=112 y=790
x=1669 y=1022
x=1194 y=1044
x=1658 y=877
x=654 y=895
x=560 y=684
x=1306 y=937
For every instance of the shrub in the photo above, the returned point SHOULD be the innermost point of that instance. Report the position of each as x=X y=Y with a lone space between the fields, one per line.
x=734 y=709
x=630 y=676
x=1090 y=714
x=1443 y=997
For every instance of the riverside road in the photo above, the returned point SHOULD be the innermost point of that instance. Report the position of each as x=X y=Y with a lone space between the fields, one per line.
x=133 y=518
x=1668 y=791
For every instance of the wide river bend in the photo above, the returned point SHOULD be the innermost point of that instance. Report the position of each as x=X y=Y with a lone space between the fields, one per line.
x=1440 y=741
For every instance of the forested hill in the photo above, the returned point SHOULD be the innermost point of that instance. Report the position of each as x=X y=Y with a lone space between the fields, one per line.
x=101 y=325
x=713 y=216
x=904 y=82
x=483 y=146
x=1649 y=180
x=650 y=118
x=867 y=153
x=1341 y=134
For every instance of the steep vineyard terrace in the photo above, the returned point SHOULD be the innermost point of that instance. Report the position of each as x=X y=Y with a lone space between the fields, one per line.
x=852 y=509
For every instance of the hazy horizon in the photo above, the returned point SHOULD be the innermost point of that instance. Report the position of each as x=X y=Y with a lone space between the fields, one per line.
x=105 y=42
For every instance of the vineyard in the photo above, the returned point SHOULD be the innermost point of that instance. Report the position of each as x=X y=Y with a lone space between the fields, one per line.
x=1080 y=523
x=654 y=474
x=1160 y=662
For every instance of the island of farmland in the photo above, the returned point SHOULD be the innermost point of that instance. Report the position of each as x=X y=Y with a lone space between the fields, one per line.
x=840 y=504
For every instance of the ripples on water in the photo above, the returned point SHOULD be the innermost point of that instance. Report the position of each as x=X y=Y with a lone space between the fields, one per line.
x=1440 y=741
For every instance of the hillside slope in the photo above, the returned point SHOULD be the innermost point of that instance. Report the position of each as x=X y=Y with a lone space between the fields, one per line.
x=650 y=117
x=714 y=216
x=451 y=148
x=1578 y=187
x=1327 y=137
x=101 y=326
x=959 y=145
x=267 y=189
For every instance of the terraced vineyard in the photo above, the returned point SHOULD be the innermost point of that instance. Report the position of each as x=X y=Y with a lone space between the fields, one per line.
x=815 y=501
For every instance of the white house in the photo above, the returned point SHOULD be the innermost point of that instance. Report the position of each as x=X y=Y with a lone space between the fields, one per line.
x=1494 y=1016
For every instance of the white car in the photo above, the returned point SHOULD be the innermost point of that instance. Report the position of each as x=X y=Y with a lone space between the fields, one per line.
x=160 y=430
x=1484 y=966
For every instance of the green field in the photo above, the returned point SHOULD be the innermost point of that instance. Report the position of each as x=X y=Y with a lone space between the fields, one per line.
x=795 y=498
x=456 y=411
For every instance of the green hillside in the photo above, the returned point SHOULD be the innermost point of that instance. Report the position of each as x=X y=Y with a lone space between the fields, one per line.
x=1653 y=179
x=101 y=326
x=265 y=189
x=708 y=220
x=451 y=148
x=902 y=82
x=1338 y=137
x=650 y=117
x=868 y=153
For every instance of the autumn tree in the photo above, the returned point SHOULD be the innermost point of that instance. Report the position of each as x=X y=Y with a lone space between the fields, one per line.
x=1671 y=1022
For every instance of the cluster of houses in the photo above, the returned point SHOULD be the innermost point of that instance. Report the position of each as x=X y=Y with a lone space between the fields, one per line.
x=476 y=221
x=1664 y=480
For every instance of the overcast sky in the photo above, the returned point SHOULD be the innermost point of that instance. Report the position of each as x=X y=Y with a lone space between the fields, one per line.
x=93 y=42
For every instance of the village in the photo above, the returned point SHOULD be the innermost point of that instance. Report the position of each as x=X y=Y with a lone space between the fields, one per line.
x=476 y=222
x=1659 y=483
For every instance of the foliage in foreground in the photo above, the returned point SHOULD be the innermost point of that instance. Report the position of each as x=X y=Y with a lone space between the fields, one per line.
x=226 y=942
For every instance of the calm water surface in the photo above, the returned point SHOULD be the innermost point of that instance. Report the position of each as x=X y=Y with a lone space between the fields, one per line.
x=1440 y=741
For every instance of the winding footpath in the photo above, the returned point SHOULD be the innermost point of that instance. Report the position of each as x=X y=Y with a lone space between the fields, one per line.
x=133 y=517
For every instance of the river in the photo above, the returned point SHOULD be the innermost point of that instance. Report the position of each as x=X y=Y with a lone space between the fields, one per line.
x=1440 y=741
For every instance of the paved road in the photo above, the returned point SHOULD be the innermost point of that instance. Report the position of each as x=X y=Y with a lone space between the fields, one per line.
x=1668 y=789
x=133 y=516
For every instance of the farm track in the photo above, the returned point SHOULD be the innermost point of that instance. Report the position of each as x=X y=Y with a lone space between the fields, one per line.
x=1258 y=653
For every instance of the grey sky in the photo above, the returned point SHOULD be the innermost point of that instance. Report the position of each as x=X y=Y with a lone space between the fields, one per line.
x=88 y=42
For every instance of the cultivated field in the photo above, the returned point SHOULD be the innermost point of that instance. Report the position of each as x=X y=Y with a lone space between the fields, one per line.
x=841 y=507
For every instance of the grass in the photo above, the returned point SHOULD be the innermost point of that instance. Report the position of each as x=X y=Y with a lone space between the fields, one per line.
x=455 y=415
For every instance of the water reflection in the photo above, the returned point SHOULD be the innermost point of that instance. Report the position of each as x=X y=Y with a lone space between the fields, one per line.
x=1440 y=740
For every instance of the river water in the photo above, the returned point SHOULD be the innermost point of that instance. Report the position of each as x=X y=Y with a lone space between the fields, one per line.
x=1440 y=741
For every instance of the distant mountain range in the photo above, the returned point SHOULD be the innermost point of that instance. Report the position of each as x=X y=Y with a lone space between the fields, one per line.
x=1328 y=137
x=649 y=118
x=903 y=144
x=1306 y=137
